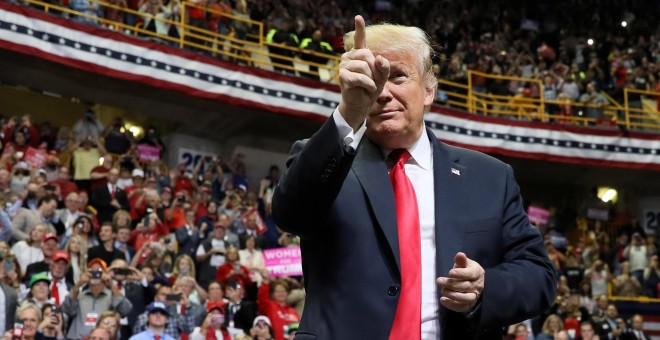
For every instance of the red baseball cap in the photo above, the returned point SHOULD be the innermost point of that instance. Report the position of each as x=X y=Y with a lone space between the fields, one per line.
x=61 y=255
x=99 y=261
x=211 y=305
x=50 y=236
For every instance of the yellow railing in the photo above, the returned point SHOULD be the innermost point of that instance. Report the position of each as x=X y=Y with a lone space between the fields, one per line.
x=253 y=50
x=640 y=299
x=562 y=110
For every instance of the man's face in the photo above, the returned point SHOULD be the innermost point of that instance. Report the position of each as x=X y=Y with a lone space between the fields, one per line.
x=611 y=312
x=106 y=233
x=72 y=203
x=396 y=118
x=113 y=175
x=123 y=235
x=157 y=319
x=58 y=268
x=48 y=247
x=587 y=331
x=637 y=322
x=30 y=322
x=64 y=173
x=521 y=332
x=48 y=208
x=162 y=294
x=99 y=334
x=190 y=217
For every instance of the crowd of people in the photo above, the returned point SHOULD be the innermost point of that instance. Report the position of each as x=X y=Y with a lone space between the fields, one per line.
x=125 y=248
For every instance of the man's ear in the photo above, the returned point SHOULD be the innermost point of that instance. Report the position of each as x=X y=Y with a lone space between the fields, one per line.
x=429 y=94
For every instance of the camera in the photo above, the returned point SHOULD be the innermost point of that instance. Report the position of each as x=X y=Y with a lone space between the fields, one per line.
x=95 y=274
x=122 y=271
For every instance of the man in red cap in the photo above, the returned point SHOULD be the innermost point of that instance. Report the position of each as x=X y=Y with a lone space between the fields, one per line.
x=48 y=247
x=59 y=288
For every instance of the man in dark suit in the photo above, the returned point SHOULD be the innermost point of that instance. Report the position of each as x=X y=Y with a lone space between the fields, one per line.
x=188 y=236
x=109 y=198
x=636 y=329
x=439 y=248
x=240 y=310
x=10 y=297
x=135 y=288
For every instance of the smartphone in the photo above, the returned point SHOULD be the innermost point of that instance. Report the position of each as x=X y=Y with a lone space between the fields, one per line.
x=218 y=319
x=122 y=271
x=17 y=333
x=173 y=297
x=49 y=187
x=56 y=309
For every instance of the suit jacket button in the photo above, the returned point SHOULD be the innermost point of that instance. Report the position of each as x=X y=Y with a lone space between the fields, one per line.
x=393 y=290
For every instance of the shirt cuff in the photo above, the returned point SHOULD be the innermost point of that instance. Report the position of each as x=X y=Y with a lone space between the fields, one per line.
x=346 y=132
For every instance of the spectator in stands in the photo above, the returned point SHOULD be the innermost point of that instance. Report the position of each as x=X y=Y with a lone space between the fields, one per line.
x=213 y=325
x=241 y=311
x=38 y=294
x=110 y=322
x=271 y=299
x=188 y=236
x=175 y=216
x=101 y=295
x=158 y=317
x=638 y=256
x=28 y=251
x=100 y=333
x=52 y=324
x=99 y=173
x=651 y=278
x=134 y=286
x=76 y=247
x=315 y=45
x=48 y=248
x=25 y=219
x=69 y=215
x=9 y=284
x=89 y=125
x=188 y=287
x=59 y=268
x=600 y=276
x=626 y=284
x=551 y=326
x=121 y=242
x=251 y=257
x=31 y=317
x=285 y=37
x=232 y=268
x=586 y=296
x=85 y=229
x=86 y=155
x=108 y=198
x=179 y=322
x=211 y=255
x=609 y=328
x=21 y=177
x=106 y=251
x=636 y=330
x=595 y=102
x=588 y=331
x=262 y=329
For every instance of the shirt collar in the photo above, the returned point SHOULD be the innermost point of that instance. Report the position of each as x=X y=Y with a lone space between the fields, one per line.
x=420 y=152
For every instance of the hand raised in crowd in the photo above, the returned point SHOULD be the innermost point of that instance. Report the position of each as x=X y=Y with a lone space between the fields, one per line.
x=136 y=275
x=362 y=77
x=463 y=285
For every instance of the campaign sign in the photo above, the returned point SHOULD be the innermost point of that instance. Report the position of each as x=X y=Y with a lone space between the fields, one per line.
x=283 y=261
x=35 y=157
x=538 y=215
x=148 y=153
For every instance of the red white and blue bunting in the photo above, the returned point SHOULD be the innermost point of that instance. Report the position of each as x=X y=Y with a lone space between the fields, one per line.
x=116 y=55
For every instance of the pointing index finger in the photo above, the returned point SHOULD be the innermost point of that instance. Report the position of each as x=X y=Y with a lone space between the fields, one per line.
x=360 y=37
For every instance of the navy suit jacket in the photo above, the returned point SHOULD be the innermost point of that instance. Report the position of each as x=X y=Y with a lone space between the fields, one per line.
x=341 y=203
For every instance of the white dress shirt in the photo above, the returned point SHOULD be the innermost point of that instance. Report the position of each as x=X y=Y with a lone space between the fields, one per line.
x=419 y=169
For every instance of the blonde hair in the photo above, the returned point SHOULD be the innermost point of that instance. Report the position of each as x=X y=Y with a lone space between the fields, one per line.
x=392 y=38
x=175 y=270
x=546 y=324
x=82 y=257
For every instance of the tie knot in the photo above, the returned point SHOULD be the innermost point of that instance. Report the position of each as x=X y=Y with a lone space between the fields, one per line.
x=399 y=156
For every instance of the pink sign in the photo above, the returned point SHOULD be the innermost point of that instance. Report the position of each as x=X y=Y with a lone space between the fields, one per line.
x=35 y=157
x=148 y=153
x=538 y=215
x=283 y=261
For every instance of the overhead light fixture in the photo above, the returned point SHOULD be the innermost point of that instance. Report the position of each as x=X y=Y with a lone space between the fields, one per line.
x=607 y=194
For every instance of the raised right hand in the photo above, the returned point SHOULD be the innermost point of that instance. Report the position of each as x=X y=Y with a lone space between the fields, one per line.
x=362 y=77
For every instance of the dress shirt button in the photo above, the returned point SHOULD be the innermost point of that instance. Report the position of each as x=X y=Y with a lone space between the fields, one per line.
x=393 y=290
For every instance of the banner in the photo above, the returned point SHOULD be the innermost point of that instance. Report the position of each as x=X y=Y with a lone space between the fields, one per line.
x=35 y=157
x=148 y=153
x=283 y=261
x=538 y=215
x=261 y=225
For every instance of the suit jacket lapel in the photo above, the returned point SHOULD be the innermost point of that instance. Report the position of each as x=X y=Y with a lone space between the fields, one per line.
x=371 y=171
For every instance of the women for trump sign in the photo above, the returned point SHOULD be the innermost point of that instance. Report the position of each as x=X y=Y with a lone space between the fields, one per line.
x=283 y=261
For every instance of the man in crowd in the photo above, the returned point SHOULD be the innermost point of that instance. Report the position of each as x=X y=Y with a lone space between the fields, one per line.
x=109 y=198
x=135 y=287
x=49 y=249
x=59 y=268
x=121 y=243
x=157 y=318
x=317 y=45
x=417 y=251
x=106 y=251
x=240 y=312
x=188 y=236
x=25 y=219
x=99 y=174
x=9 y=295
x=70 y=213
x=99 y=333
x=179 y=322
x=85 y=307
x=587 y=330
x=636 y=331
x=64 y=183
x=211 y=255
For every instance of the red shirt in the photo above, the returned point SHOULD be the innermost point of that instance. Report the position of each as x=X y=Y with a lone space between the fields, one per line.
x=178 y=218
x=66 y=187
x=97 y=183
x=183 y=183
x=137 y=211
x=279 y=315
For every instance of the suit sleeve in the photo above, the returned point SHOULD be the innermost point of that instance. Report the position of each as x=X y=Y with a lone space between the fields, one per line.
x=315 y=172
x=525 y=272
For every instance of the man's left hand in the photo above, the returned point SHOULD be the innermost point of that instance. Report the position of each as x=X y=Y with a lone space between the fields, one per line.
x=463 y=286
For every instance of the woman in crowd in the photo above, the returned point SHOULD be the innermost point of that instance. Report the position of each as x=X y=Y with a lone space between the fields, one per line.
x=215 y=292
x=271 y=300
x=252 y=258
x=84 y=227
x=232 y=268
x=4 y=249
x=39 y=292
x=29 y=251
x=110 y=321
x=121 y=218
x=183 y=266
x=52 y=324
x=77 y=250
x=12 y=272
x=262 y=329
x=626 y=284
x=551 y=326
x=191 y=289
x=586 y=297
x=213 y=324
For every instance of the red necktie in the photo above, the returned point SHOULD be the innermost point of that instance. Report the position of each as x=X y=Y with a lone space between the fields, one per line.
x=54 y=292
x=408 y=319
x=156 y=337
x=112 y=193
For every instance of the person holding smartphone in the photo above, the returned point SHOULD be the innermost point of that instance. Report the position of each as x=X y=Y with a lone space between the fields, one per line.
x=8 y=267
x=51 y=326
x=213 y=325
